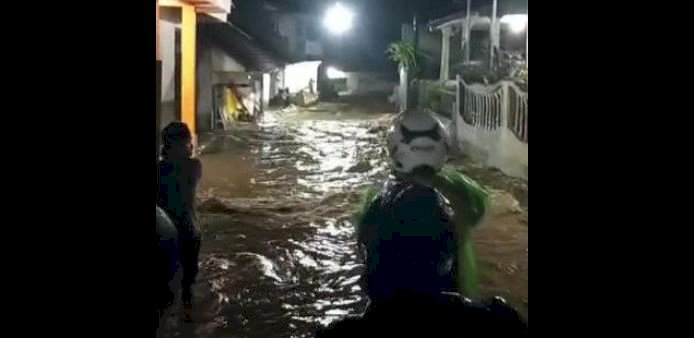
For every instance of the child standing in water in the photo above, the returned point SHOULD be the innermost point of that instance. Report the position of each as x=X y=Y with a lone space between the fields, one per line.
x=179 y=175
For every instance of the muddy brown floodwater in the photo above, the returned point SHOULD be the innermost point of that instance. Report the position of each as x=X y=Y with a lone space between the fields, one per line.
x=278 y=256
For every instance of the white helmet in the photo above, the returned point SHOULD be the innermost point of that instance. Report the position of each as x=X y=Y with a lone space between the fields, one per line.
x=417 y=139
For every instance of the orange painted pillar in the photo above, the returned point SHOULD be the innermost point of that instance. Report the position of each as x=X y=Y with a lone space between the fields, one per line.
x=188 y=66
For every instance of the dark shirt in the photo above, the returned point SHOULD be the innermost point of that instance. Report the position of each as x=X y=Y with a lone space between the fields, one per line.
x=445 y=316
x=407 y=234
x=406 y=207
x=178 y=183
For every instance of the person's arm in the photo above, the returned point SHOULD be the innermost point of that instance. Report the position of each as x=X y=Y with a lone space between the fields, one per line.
x=469 y=199
x=470 y=203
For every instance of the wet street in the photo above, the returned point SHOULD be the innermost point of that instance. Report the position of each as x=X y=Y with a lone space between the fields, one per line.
x=278 y=257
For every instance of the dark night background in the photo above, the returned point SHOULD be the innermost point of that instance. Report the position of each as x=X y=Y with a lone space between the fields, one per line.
x=377 y=22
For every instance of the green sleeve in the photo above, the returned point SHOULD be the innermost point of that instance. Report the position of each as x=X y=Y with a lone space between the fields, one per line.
x=471 y=203
x=455 y=184
x=365 y=204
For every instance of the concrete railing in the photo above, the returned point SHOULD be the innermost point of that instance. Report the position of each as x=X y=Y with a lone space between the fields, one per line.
x=481 y=106
x=492 y=125
x=518 y=112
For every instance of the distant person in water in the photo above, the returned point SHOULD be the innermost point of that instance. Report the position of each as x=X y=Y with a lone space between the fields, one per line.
x=179 y=174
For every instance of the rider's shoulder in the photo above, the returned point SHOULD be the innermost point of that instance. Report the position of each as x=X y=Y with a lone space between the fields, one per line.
x=483 y=317
x=500 y=317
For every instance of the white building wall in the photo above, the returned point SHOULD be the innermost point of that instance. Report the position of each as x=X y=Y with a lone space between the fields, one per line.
x=298 y=75
x=167 y=47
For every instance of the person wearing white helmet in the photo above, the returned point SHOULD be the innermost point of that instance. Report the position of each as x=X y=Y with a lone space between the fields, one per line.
x=412 y=233
x=418 y=145
x=417 y=141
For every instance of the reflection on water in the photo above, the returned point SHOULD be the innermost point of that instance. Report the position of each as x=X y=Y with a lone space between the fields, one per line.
x=279 y=256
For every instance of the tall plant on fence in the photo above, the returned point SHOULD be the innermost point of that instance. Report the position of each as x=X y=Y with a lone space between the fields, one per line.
x=404 y=55
x=408 y=59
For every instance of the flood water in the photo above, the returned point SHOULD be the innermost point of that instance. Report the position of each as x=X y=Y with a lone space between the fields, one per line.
x=278 y=254
x=278 y=257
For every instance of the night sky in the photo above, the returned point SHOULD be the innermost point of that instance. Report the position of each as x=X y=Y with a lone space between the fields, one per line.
x=378 y=23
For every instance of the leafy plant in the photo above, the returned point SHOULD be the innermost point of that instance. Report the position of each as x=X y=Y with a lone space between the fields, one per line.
x=522 y=74
x=403 y=53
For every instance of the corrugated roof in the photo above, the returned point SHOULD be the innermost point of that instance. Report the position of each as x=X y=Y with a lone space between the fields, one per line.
x=240 y=46
x=446 y=19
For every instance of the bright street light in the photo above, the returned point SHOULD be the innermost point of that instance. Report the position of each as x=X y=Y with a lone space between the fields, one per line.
x=516 y=22
x=338 y=19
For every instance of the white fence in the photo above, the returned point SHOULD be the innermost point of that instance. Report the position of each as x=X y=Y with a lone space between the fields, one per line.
x=492 y=125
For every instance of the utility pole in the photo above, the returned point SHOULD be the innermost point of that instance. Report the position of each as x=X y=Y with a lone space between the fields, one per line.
x=493 y=35
x=467 y=28
x=415 y=29
x=414 y=99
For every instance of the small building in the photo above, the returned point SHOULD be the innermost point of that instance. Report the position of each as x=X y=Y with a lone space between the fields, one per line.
x=489 y=119
x=350 y=78
x=469 y=39
x=235 y=75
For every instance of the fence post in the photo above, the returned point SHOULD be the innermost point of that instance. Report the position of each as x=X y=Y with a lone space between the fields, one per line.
x=404 y=89
x=504 y=104
x=456 y=114
x=500 y=149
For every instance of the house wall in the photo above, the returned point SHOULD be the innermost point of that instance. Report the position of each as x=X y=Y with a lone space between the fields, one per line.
x=204 y=89
x=360 y=83
x=241 y=78
x=286 y=29
x=497 y=148
x=298 y=75
x=300 y=34
x=167 y=45
x=224 y=5
x=294 y=36
x=221 y=62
